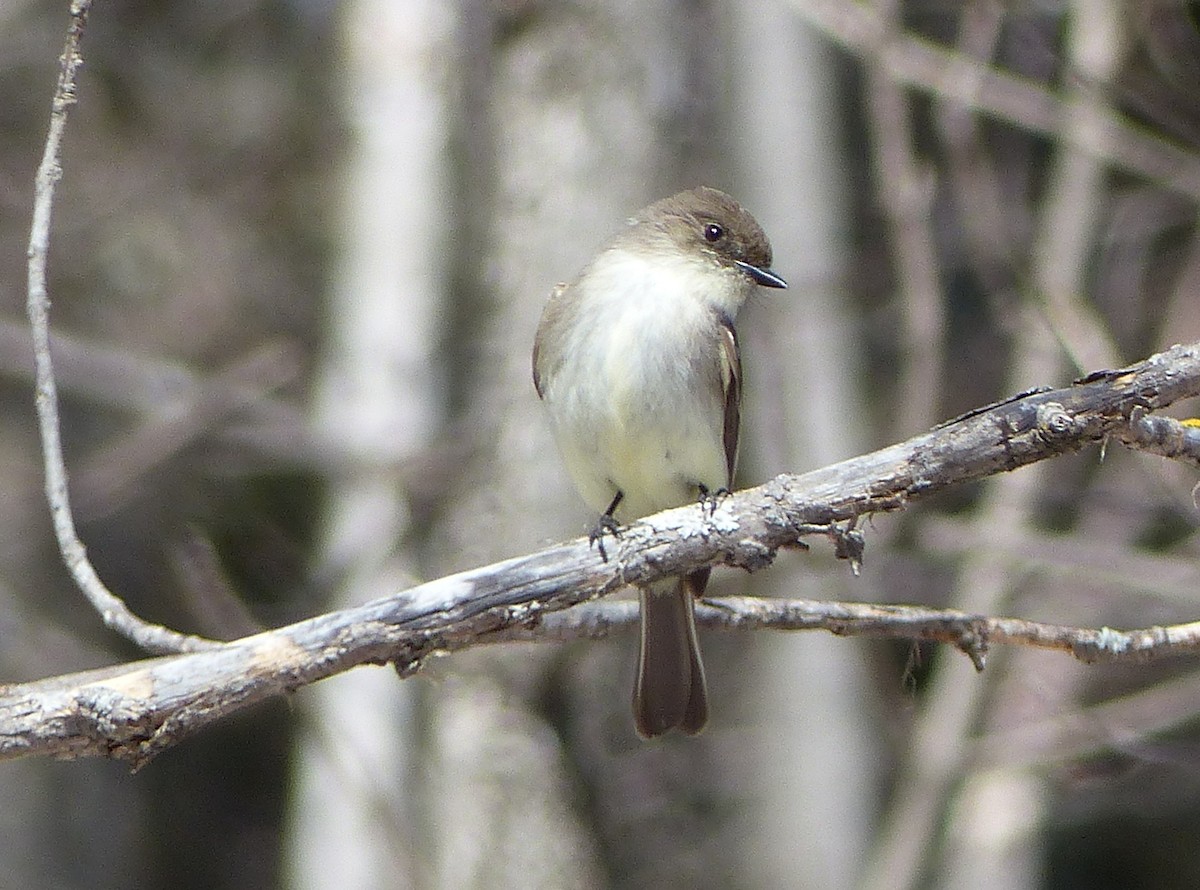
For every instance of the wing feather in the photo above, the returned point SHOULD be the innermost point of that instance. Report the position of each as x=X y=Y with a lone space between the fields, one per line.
x=731 y=382
x=550 y=317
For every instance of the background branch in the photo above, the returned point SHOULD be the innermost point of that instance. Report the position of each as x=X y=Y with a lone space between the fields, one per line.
x=952 y=77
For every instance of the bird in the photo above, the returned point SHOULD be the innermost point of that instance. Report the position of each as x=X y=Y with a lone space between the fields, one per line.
x=638 y=365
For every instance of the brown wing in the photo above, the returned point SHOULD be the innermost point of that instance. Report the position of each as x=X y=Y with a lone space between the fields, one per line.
x=537 y=377
x=731 y=381
x=549 y=315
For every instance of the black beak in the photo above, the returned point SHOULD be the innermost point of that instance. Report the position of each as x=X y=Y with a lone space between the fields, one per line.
x=765 y=277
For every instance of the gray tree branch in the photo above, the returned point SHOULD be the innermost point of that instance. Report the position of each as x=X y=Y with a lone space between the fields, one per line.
x=134 y=711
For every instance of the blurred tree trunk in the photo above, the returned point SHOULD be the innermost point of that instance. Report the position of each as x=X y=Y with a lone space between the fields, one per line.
x=806 y=698
x=380 y=396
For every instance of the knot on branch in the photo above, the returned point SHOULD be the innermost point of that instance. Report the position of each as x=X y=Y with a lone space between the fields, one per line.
x=751 y=555
x=1055 y=423
x=973 y=640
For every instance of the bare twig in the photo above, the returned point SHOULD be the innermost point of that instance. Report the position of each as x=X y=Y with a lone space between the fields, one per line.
x=1075 y=194
x=971 y=634
x=917 y=62
x=126 y=380
x=1117 y=723
x=111 y=472
x=1167 y=579
x=134 y=711
x=115 y=613
x=906 y=190
x=1164 y=436
x=989 y=220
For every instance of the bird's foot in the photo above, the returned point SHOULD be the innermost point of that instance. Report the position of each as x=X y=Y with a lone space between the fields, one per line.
x=606 y=524
x=710 y=500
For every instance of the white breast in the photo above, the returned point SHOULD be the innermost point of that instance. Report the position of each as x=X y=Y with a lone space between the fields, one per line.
x=638 y=404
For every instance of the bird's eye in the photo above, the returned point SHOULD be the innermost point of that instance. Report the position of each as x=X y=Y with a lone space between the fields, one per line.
x=713 y=232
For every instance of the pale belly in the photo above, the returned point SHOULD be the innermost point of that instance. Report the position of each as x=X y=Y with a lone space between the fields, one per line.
x=627 y=432
x=654 y=468
x=635 y=387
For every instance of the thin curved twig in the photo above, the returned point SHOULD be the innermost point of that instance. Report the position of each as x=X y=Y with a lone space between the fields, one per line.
x=151 y=637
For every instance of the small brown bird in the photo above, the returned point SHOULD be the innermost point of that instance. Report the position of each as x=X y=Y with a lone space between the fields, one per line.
x=637 y=361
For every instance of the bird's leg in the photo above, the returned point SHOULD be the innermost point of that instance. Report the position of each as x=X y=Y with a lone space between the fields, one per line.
x=710 y=500
x=606 y=524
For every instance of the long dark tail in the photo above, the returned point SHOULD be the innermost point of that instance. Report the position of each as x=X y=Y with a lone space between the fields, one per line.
x=670 y=690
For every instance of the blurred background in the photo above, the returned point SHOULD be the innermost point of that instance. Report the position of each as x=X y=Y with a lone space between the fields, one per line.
x=299 y=254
